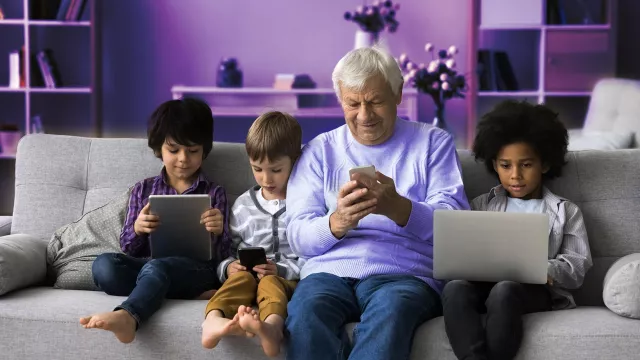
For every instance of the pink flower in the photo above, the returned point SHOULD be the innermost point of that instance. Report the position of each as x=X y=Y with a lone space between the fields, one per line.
x=445 y=86
x=428 y=47
x=450 y=63
x=452 y=50
x=444 y=77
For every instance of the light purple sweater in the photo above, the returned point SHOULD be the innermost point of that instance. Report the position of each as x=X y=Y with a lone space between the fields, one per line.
x=423 y=163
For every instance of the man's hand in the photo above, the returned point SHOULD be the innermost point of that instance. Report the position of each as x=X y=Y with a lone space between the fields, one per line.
x=146 y=223
x=266 y=269
x=234 y=267
x=213 y=221
x=352 y=206
x=388 y=202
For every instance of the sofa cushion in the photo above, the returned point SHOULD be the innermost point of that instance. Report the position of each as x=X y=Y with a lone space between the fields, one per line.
x=42 y=323
x=22 y=262
x=621 y=292
x=586 y=333
x=600 y=140
x=73 y=247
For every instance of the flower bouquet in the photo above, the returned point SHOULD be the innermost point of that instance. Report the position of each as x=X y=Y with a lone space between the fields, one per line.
x=372 y=20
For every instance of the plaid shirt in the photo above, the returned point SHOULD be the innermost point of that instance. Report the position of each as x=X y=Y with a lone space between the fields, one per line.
x=138 y=245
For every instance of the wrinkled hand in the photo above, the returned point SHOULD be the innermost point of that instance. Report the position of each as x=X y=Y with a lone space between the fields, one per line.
x=263 y=270
x=388 y=202
x=213 y=221
x=352 y=206
x=145 y=223
x=234 y=267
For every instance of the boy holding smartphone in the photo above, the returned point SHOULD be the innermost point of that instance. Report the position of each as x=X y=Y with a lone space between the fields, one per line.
x=257 y=221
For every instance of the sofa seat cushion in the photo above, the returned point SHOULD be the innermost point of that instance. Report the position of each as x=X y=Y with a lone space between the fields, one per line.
x=42 y=323
x=51 y=316
x=584 y=333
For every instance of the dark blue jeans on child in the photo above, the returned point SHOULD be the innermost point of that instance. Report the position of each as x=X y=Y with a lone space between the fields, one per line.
x=147 y=282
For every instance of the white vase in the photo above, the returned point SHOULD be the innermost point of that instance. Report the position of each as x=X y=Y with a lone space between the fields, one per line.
x=365 y=39
x=9 y=142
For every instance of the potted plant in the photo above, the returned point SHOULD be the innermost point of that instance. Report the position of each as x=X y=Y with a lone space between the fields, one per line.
x=439 y=79
x=372 y=20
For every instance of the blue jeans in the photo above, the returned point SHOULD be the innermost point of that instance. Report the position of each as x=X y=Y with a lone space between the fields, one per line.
x=147 y=282
x=389 y=308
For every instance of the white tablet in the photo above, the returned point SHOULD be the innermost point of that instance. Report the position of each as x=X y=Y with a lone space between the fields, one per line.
x=180 y=232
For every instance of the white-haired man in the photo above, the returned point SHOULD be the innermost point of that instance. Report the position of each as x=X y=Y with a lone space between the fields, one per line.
x=368 y=242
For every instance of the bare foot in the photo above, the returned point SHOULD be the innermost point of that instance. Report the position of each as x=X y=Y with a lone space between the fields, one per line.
x=119 y=322
x=270 y=334
x=215 y=327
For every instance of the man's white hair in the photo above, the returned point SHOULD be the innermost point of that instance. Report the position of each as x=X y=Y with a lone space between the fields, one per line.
x=360 y=65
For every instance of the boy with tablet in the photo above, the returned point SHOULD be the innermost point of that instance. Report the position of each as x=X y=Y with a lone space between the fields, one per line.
x=180 y=133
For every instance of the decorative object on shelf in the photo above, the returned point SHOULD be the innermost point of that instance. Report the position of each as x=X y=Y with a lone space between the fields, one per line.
x=9 y=138
x=229 y=75
x=283 y=81
x=36 y=125
x=439 y=79
x=1 y=13
x=373 y=19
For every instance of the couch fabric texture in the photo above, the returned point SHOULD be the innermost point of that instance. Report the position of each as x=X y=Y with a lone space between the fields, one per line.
x=60 y=178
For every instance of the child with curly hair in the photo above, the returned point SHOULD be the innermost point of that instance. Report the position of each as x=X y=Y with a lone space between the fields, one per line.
x=524 y=145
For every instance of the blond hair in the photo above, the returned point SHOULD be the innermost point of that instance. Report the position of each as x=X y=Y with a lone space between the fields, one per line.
x=272 y=135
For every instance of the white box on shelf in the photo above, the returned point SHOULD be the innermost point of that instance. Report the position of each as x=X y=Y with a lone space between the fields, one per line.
x=512 y=13
x=14 y=70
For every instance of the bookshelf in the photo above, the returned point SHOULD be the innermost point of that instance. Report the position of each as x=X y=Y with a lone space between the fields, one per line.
x=557 y=49
x=73 y=108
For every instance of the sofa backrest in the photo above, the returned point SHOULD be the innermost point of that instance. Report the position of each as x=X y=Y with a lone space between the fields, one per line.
x=59 y=178
x=615 y=106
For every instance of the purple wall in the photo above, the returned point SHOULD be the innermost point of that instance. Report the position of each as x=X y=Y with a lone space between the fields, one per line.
x=151 y=45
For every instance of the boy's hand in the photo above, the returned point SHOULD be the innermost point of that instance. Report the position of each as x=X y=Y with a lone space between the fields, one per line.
x=235 y=267
x=549 y=280
x=145 y=223
x=266 y=269
x=212 y=220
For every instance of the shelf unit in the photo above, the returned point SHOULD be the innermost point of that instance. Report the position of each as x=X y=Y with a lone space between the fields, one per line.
x=556 y=64
x=18 y=21
x=303 y=103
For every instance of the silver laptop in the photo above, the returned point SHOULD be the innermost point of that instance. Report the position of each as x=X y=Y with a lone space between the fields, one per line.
x=180 y=232
x=490 y=246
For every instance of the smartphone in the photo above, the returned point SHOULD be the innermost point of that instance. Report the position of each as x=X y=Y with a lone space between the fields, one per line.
x=368 y=170
x=252 y=256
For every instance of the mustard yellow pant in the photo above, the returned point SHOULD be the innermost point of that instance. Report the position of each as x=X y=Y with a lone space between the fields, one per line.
x=271 y=294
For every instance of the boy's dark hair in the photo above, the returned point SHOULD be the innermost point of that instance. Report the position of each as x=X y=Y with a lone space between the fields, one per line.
x=513 y=122
x=272 y=135
x=187 y=121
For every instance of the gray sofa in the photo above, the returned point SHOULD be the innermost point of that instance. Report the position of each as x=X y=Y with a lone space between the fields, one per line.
x=58 y=178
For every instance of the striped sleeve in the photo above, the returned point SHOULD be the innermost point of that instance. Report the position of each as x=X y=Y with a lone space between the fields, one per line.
x=236 y=235
x=573 y=261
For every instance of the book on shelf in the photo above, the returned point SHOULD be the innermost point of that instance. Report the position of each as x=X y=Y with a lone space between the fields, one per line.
x=43 y=73
x=48 y=69
x=61 y=10
x=495 y=72
x=14 y=69
x=70 y=10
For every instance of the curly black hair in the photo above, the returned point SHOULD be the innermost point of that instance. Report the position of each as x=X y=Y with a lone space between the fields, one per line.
x=519 y=121
x=187 y=121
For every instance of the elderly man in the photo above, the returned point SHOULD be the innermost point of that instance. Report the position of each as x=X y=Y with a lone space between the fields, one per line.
x=368 y=242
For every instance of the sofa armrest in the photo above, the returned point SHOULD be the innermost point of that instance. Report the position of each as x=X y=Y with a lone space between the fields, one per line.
x=23 y=262
x=5 y=225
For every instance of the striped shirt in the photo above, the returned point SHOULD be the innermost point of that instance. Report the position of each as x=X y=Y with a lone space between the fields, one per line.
x=138 y=245
x=256 y=221
x=569 y=254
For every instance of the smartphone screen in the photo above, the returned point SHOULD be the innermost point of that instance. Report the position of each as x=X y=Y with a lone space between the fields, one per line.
x=252 y=256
